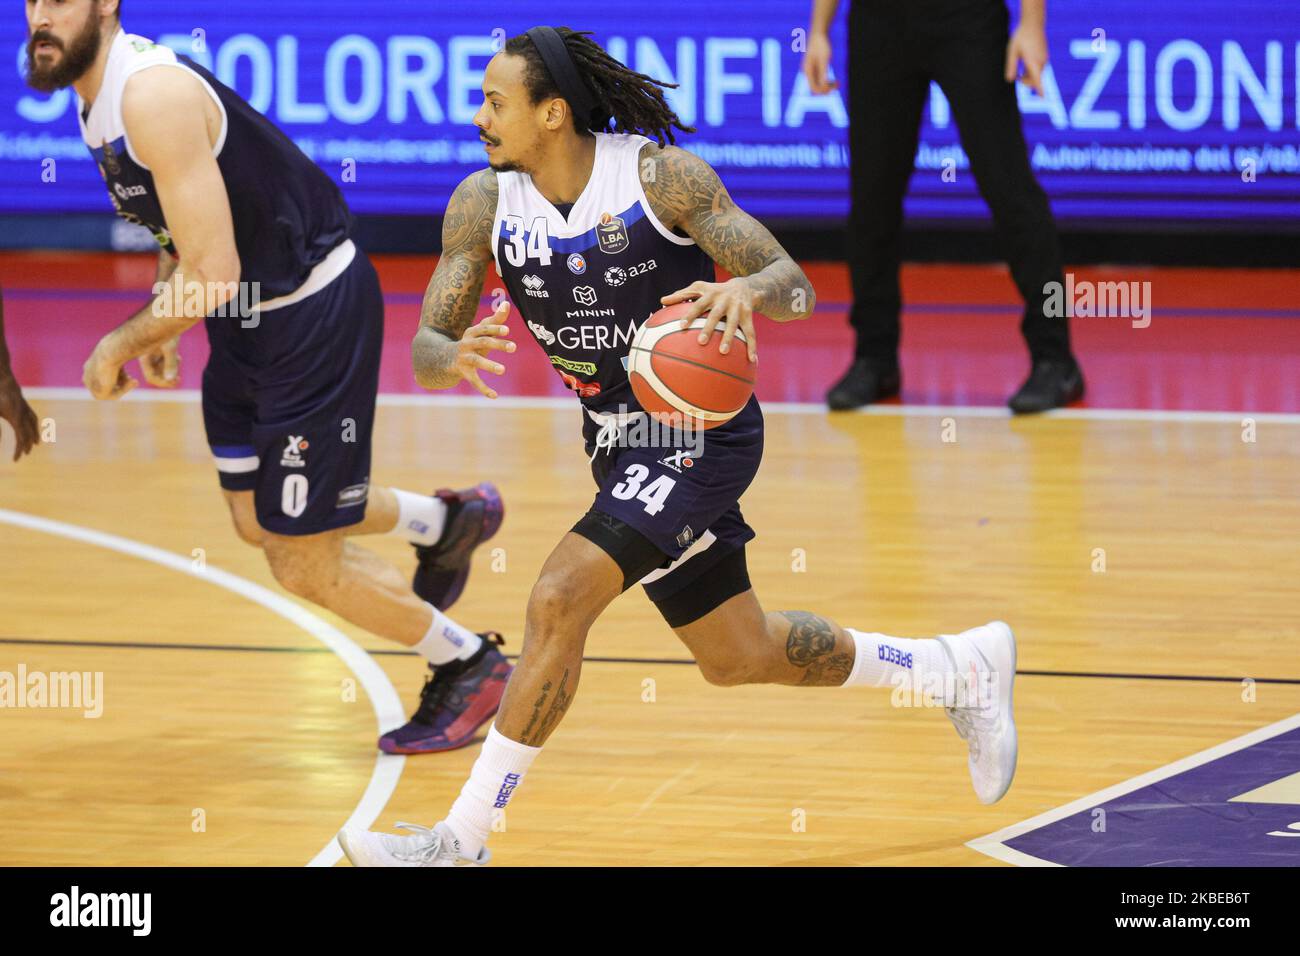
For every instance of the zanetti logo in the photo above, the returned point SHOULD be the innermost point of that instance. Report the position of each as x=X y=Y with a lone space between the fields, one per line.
x=508 y=785
x=542 y=332
x=533 y=286
x=293 y=449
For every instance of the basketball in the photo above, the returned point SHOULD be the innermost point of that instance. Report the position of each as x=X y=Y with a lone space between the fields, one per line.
x=678 y=380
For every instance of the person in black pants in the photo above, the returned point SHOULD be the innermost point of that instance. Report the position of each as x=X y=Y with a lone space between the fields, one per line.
x=897 y=47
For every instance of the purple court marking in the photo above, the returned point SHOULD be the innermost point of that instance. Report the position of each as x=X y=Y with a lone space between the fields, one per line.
x=1236 y=804
x=829 y=306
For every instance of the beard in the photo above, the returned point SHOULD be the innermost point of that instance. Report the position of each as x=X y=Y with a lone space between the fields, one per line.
x=77 y=57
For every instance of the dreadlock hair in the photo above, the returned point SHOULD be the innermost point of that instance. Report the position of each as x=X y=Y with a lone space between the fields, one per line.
x=633 y=101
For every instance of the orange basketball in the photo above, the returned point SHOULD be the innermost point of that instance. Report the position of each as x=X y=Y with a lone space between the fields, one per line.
x=681 y=382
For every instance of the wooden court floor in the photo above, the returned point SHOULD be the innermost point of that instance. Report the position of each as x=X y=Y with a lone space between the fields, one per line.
x=229 y=735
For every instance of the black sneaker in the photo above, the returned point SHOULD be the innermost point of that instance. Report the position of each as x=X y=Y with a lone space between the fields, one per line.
x=473 y=516
x=1050 y=385
x=865 y=382
x=457 y=699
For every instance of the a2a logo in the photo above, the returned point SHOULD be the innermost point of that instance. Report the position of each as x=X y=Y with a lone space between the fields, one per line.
x=617 y=275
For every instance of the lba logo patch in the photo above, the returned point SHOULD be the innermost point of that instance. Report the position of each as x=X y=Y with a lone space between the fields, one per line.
x=611 y=234
x=576 y=263
x=293 y=449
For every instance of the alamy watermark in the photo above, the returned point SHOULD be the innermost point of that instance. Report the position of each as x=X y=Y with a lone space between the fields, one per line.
x=632 y=428
x=74 y=690
x=186 y=297
x=1086 y=299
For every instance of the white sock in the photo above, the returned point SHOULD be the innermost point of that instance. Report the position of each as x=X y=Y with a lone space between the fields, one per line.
x=497 y=774
x=419 y=517
x=446 y=640
x=881 y=660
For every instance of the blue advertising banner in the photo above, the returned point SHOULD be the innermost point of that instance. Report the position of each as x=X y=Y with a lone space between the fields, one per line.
x=1181 y=110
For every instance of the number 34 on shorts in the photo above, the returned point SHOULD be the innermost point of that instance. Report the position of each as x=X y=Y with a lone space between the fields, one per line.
x=633 y=486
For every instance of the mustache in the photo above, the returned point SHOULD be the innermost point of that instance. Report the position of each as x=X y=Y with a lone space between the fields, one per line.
x=488 y=139
x=43 y=36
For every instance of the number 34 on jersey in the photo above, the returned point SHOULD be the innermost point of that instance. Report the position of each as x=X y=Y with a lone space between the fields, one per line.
x=535 y=243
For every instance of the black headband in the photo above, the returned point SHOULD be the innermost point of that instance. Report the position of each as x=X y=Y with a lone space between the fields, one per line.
x=555 y=54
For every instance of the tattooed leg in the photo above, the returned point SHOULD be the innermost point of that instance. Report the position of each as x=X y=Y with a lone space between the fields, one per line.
x=736 y=643
x=819 y=652
x=576 y=584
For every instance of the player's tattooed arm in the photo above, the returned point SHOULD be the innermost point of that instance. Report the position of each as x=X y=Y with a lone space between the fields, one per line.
x=687 y=194
x=448 y=346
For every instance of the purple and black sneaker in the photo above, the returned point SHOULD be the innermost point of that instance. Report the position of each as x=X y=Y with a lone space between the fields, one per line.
x=457 y=699
x=473 y=516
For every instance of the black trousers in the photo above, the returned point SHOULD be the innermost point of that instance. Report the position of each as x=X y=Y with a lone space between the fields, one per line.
x=896 y=47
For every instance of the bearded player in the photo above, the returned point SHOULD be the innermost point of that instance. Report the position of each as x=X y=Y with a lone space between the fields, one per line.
x=616 y=225
x=244 y=217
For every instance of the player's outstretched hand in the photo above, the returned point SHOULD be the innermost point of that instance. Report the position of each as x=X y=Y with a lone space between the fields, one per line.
x=729 y=303
x=817 y=63
x=105 y=378
x=162 y=366
x=15 y=410
x=473 y=348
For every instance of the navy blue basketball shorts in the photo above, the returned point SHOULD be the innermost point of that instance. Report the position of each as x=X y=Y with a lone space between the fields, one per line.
x=670 y=518
x=289 y=404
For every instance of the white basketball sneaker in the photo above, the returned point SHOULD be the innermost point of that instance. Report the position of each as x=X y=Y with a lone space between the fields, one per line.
x=425 y=847
x=984 y=662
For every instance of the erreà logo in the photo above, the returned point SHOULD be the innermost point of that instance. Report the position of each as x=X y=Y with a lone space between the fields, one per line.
x=533 y=286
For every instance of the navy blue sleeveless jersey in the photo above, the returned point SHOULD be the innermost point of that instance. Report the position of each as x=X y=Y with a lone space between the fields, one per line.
x=585 y=282
x=287 y=213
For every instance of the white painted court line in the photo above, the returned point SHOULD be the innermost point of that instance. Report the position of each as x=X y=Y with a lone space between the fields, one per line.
x=399 y=400
x=994 y=844
x=383 y=696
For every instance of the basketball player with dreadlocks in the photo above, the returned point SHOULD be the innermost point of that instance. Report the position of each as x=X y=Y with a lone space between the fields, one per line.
x=289 y=390
x=626 y=224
